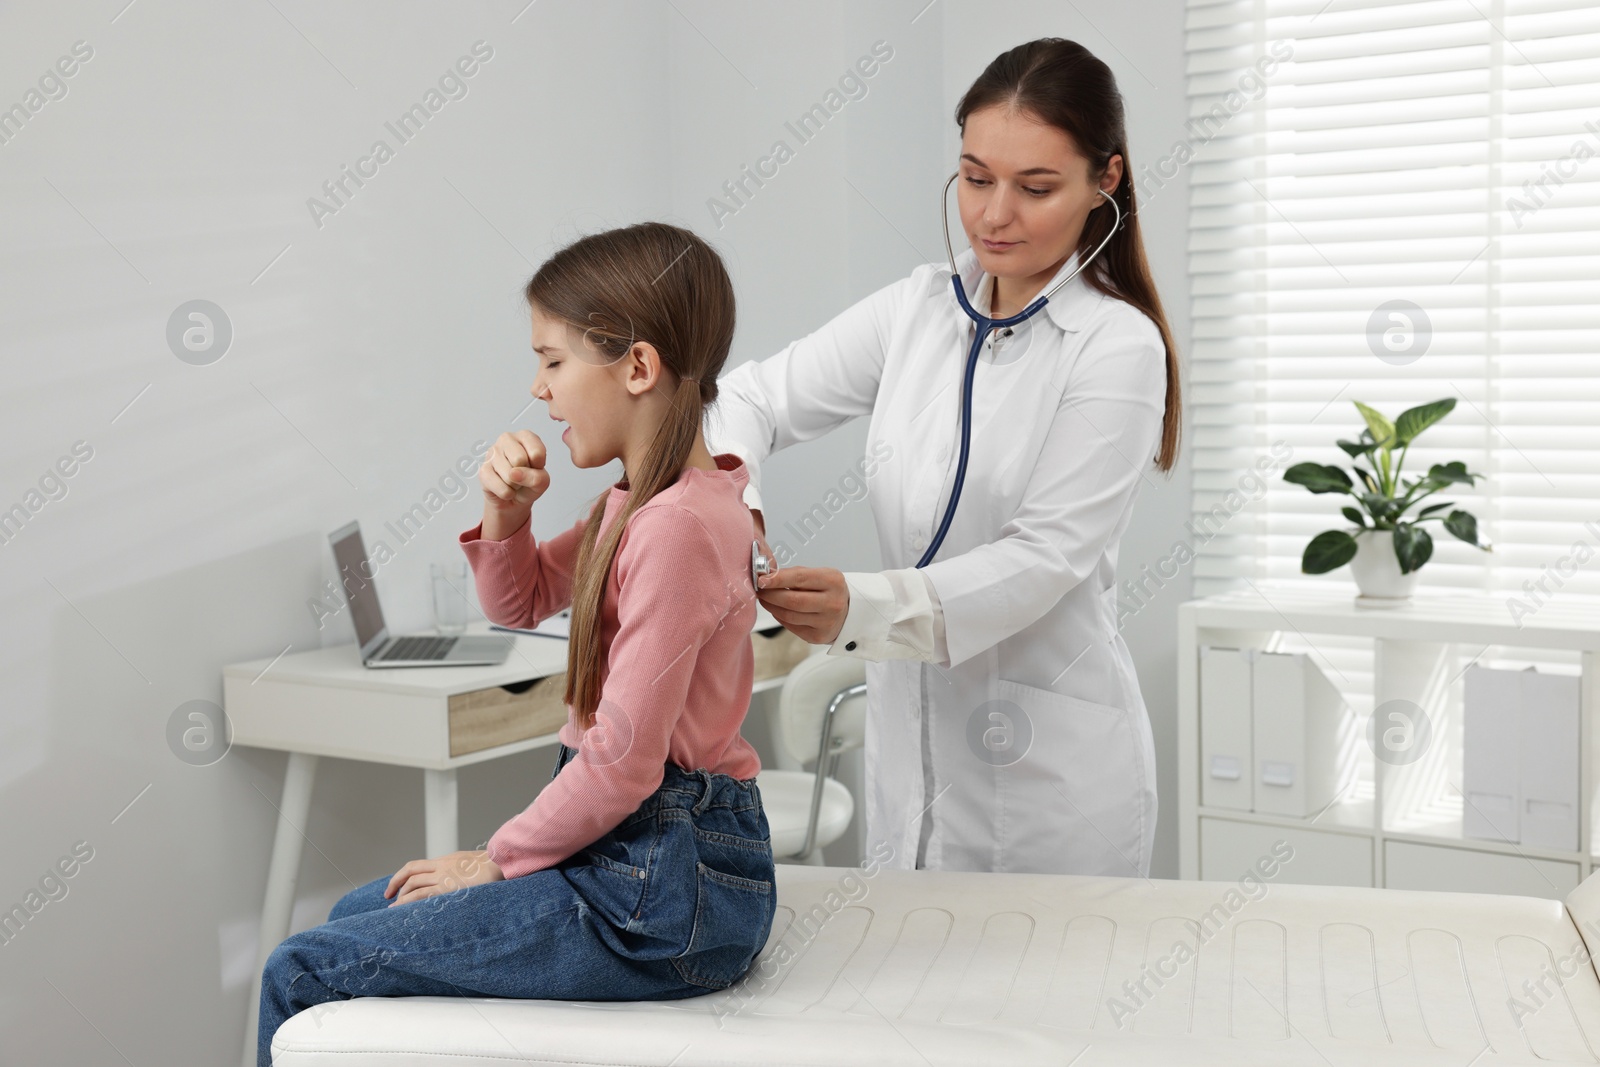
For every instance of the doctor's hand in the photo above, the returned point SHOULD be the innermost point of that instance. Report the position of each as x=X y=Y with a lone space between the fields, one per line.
x=457 y=870
x=810 y=601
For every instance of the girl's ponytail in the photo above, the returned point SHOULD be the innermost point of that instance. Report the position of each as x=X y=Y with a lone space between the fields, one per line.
x=649 y=282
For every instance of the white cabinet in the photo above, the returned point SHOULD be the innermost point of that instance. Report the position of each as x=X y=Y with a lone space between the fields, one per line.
x=1229 y=848
x=1401 y=823
x=1408 y=865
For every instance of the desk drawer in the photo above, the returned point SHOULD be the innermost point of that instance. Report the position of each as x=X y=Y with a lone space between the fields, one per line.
x=486 y=718
x=489 y=717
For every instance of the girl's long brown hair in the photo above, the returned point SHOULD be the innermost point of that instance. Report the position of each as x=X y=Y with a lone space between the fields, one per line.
x=1061 y=83
x=648 y=282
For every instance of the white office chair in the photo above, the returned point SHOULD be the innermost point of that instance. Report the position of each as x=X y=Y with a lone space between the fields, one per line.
x=821 y=714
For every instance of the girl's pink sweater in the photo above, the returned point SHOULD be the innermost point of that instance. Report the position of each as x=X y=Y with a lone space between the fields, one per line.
x=676 y=661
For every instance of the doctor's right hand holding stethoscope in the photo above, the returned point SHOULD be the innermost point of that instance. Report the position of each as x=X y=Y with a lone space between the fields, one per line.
x=1015 y=398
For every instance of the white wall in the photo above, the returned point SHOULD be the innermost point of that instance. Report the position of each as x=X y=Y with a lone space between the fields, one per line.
x=368 y=354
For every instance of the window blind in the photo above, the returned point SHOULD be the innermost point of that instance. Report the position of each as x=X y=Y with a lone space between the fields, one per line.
x=1404 y=207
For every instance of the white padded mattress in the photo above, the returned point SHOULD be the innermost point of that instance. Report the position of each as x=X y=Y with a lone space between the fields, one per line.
x=922 y=968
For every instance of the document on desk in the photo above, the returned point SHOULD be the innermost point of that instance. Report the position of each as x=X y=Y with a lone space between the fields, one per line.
x=558 y=626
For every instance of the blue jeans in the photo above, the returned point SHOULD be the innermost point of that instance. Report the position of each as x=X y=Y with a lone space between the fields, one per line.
x=675 y=902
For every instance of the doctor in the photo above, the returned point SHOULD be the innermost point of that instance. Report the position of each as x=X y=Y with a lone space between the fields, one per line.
x=1005 y=727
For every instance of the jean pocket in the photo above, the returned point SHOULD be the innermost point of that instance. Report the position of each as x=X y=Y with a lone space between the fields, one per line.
x=732 y=918
x=600 y=859
x=611 y=888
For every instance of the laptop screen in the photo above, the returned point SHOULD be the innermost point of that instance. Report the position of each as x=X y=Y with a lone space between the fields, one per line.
x=356 y=578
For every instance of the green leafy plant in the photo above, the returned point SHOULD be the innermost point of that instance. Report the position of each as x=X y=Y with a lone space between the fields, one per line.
x=1383 y=495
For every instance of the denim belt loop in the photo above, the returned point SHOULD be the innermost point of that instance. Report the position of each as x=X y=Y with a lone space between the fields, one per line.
x=705 y=790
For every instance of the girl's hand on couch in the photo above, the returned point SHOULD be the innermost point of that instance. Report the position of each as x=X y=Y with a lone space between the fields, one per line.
x=457 y=870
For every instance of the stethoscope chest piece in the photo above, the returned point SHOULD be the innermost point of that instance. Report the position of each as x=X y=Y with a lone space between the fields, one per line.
x=759 y=564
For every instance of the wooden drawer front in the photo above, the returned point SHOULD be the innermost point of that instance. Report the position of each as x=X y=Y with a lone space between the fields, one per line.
x=489 y=717
x=778 y=654
x=486 y=718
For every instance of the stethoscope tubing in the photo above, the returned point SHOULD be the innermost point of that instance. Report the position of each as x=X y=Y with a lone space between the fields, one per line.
x=984 y=325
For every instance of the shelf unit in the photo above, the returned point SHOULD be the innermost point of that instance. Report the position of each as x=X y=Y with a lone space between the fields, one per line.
x=1394 y=825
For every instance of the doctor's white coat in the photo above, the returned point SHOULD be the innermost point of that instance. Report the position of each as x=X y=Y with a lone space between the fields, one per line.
x=1032 y=750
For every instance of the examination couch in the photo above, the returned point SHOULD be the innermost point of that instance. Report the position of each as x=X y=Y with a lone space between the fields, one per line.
x=873 y=966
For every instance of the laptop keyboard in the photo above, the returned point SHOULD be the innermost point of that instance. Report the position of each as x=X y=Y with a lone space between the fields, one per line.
x=417 y=648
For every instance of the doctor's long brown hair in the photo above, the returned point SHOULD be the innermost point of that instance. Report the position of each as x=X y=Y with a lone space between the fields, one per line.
x=649 y=282
x=1063 y=84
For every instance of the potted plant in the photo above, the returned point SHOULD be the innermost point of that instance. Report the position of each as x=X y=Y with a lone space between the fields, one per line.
x=1385 y=554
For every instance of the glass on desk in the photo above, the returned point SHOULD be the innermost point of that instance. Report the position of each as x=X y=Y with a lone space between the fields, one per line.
x=450 y=597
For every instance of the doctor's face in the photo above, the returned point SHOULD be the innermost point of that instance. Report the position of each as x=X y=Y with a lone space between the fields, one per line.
x=580 y=389
x=1025 y=193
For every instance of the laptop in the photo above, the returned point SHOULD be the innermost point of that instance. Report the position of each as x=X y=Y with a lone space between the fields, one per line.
x=378 y=649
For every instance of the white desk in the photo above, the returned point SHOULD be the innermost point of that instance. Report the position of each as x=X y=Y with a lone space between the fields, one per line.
x=325 y=703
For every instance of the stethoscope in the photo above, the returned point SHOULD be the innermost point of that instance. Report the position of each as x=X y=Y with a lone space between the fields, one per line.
x=760 y=564
x=985 y=324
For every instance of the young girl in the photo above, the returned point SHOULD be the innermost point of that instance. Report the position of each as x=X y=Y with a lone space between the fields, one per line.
x=644 y=870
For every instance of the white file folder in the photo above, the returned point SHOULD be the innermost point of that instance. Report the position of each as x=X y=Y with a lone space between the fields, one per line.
x=1548 y=768
x=1295 y=715
x=1491 y=746
x=1226 y=779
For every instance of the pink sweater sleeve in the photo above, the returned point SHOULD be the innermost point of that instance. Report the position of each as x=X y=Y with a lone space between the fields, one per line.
x=522 y=582
x=674 y=593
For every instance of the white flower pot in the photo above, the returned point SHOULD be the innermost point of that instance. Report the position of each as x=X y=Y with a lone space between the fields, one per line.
x=1376 y=570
